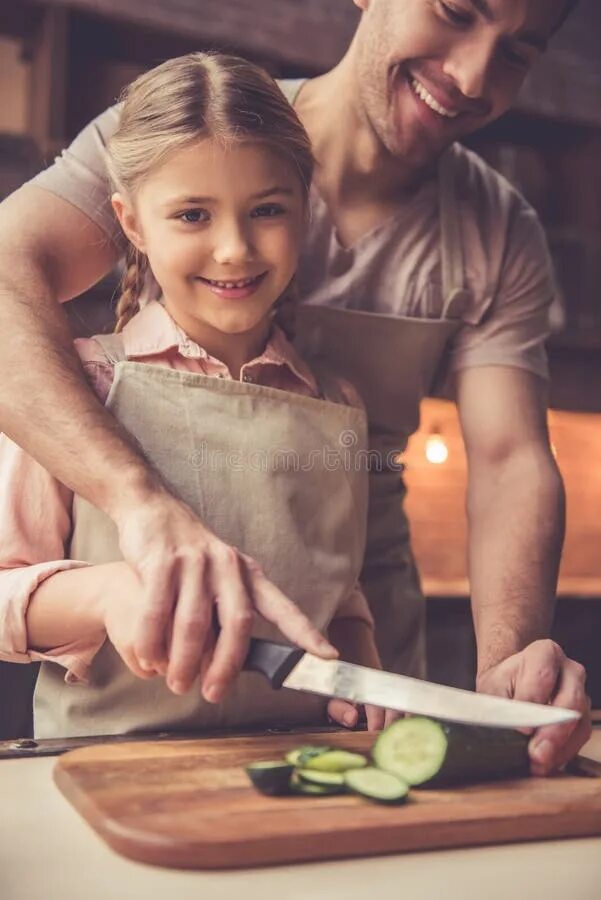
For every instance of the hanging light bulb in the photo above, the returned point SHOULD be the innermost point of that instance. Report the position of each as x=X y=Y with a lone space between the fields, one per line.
x=437 y=451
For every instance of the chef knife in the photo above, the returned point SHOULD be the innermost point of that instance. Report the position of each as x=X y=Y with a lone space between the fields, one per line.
x=292 y=668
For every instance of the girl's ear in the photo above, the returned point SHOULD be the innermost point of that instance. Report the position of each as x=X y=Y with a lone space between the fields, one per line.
x=127 y=219
x=362 y=4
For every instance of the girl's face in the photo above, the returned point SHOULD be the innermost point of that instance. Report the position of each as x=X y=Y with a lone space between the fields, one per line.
x=222 y=230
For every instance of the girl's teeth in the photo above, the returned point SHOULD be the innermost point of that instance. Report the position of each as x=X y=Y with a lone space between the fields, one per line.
x=229 y=285
x=429 y=100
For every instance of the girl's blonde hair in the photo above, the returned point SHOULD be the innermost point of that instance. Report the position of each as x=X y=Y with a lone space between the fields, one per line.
x=200 y=95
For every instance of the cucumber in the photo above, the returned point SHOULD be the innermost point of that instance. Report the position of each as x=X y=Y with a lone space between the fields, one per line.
x=377 y=785
x=272 y=777
x=301 y=755
x=333 y=779
x=299 y=786
x=423 y=751
x=335 y=761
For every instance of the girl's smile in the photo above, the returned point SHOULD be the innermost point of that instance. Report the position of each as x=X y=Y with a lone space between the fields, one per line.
x=234 y=290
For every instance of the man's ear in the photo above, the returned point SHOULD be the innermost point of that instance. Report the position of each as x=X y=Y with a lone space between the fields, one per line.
x=127 y=219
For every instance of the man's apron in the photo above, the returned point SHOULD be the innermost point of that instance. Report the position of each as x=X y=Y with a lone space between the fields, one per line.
x=270 y=472
x=393 y=362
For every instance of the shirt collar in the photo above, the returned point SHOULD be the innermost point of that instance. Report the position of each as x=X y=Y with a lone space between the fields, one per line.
x=153 y=332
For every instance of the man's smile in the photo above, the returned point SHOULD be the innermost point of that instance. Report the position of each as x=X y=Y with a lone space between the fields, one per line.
x=423 y=93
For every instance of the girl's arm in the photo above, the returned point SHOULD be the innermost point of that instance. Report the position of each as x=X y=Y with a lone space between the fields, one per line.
x=35 y=525
x=85 y=606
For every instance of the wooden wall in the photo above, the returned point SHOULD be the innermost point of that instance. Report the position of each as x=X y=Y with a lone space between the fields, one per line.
x=436 y=501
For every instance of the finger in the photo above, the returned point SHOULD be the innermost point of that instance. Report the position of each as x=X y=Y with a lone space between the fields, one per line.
x=235 y=615
x=391 y=716
x=191 y=624
x=207 y=654
x=554 y=745
x=344 y=713
x=274 y=606
x=375 y=717
x=159 y=585
x=129 y=658
x=537 y=678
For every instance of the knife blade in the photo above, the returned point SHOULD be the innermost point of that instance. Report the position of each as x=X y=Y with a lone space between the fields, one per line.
x=292 y=668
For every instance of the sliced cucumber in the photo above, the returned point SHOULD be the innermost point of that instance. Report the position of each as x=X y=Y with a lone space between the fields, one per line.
x=271 y=777
x=301 y=755
x=377 y=785
x=313 y=776
x=423 y=751
x=335 y=761
x=299 y=786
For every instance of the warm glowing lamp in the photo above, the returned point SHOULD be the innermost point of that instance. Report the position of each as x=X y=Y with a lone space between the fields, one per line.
x=437 y=451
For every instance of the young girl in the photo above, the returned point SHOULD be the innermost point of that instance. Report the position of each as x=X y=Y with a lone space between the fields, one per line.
x=211 y=170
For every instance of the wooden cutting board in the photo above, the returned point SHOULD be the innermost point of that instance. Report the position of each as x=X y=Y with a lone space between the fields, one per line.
x=188 y=804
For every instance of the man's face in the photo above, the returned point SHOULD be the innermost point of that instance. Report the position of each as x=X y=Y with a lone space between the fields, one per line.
x=430 y=72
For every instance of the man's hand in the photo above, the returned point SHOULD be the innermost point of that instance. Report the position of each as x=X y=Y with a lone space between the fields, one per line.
x=542 y=673
x=187 y=573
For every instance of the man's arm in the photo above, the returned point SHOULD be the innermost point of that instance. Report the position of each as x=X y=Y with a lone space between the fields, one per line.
x=515 y=506
x=49 y=251
x=516 y=515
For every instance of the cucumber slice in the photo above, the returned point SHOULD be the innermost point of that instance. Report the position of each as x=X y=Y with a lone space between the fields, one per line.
x=335 y=761
x=423 y=751
x=301 y=755
x=377 y=785
x=271 y=777
x=313 y=776
x=298 y=786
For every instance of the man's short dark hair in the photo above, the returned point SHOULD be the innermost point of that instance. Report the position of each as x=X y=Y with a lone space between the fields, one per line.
x=569 y=7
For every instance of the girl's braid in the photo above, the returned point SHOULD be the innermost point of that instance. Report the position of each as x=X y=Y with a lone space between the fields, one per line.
x=131 y=287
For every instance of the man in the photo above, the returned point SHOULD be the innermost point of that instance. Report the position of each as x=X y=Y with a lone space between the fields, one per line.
x=418 y=76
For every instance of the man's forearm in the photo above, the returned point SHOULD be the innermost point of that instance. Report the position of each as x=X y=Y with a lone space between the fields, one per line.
x=46 y=405
x=516 y=511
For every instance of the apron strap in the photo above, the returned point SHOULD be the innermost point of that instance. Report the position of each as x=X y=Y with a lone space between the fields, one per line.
x=112 y=344
x=454 y=291
x=290 y=87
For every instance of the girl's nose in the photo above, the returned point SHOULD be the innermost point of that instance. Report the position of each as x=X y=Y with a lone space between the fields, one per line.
x=232 y=246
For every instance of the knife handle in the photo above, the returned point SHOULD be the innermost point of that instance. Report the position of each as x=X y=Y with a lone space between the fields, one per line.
x=274 y=661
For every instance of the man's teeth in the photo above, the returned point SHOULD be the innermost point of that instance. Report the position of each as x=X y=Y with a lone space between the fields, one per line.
x=229 y=285
x=429 y=100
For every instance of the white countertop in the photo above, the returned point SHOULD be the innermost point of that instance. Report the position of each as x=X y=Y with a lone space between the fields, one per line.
x=48 y=852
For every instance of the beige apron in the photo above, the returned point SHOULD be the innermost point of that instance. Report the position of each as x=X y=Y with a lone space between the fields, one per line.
x=393 y=362
x=278 y=475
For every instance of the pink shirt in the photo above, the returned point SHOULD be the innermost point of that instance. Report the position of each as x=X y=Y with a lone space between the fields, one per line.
x=35 y=508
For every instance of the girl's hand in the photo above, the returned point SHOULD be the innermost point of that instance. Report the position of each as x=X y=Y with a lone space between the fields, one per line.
x=184 y=574
x=354 y=638
x=347 y=714
x=121 y=599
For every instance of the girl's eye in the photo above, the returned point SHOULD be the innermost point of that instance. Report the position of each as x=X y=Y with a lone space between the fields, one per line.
x=456 y=15
x=193 y=216
x=268 y=211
